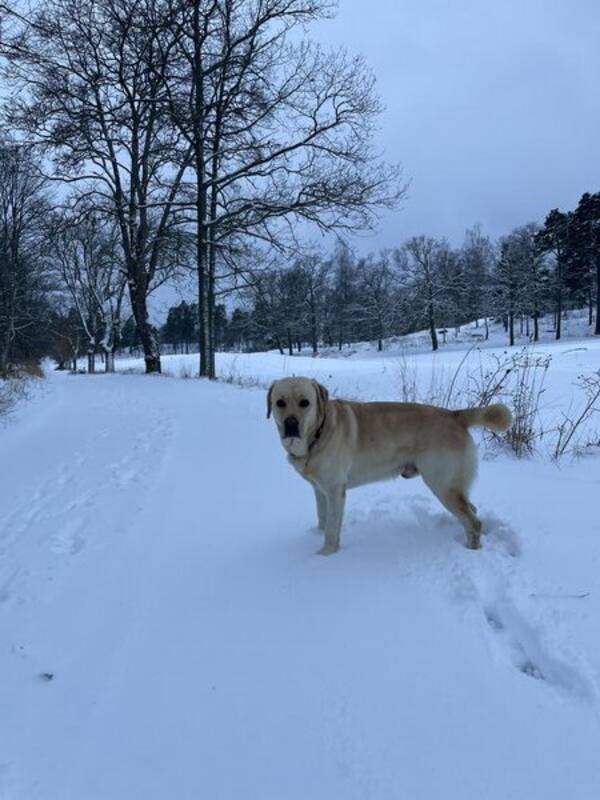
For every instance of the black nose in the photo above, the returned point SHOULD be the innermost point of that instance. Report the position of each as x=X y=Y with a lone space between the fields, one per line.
x=290 y=426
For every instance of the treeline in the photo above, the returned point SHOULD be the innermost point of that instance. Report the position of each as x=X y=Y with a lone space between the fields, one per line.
x=424 y=284
x=427 y=284
x=184 y=135
x=64 y=283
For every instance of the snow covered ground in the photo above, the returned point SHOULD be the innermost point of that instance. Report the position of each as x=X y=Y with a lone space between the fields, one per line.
x=167 y=631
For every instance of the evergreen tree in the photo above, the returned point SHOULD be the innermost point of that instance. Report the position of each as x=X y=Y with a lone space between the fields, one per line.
x=553 y=239
x=586 y=229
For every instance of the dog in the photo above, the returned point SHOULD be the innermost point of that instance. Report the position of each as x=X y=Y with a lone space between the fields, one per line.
x=337 y=445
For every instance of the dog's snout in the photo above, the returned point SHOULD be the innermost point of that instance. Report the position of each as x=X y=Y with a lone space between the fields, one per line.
x=290 y=425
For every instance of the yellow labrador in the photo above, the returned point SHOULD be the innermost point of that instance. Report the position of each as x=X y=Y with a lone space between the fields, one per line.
x=337 y=445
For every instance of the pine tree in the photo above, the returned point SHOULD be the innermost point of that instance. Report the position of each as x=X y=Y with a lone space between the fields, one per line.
x=554 y=239
x=586 y=225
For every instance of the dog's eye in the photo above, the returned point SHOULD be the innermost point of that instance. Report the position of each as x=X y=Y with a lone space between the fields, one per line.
x=303 y=403
x=280 y=404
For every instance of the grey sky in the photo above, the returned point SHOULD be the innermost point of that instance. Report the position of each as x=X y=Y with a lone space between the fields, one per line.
x=492 y=107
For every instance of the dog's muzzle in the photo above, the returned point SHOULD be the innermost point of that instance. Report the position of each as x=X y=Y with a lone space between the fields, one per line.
x=291 y=428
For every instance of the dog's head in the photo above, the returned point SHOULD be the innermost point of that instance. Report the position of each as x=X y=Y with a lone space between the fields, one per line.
x=298 y=406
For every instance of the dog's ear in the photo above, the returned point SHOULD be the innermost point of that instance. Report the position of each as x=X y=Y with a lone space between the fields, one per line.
x=269 y=394
x=322 y=397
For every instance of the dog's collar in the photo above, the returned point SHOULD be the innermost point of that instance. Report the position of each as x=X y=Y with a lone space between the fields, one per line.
x=317 y=435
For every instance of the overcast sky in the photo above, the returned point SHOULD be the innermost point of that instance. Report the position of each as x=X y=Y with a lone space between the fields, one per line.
x=493 y=108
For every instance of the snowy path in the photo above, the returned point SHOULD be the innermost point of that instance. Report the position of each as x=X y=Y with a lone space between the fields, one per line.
x=155 y=560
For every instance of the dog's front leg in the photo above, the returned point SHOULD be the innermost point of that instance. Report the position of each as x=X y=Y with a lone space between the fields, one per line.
x=321 y=507
x=336 y=500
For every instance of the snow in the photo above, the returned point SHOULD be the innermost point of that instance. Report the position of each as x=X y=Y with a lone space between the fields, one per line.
x=156 y=560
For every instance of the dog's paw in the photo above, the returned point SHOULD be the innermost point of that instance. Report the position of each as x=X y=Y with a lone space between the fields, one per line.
x=328 y=549
x=409 y=471
x=473 y=543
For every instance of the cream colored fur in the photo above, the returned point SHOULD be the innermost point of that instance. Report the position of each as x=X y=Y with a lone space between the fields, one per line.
x=342 y=444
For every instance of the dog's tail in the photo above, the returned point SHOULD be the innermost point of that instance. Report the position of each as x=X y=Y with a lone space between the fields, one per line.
x=497 y=418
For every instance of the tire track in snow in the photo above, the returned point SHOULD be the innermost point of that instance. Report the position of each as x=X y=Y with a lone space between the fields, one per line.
x=62 y=513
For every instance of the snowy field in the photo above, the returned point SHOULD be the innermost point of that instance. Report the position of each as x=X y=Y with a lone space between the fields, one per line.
x=167 y=630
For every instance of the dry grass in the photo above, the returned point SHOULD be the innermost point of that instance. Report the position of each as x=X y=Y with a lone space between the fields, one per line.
x=235 y=377
x=525 y=396
x=572 y=434
x=12 y=390
x=516 y=379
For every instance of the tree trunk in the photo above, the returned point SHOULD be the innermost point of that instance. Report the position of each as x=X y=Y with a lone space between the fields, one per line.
x=313 y=324
x=487 y=329
x=212 y=369
x=559 y=299
x=432 y=330
x=109 y=360
x=597 y=328
x=91 y=361
x=4 y=355
x=201 y=197
x=511 y=327
x=146 y=331
x=290 y=345
x=212 y=256
x=203 y=316
x=151 y=351
x=9 y=337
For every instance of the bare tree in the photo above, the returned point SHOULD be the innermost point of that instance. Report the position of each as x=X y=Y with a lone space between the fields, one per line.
x=535 y=278
x=313 y=272
x=92 y=79
x=86 y=255
x=344 y=295
x=418 y=267
x=65 y=335
x=23 y=267
x=477 y=257
x=269 y=320
x=280 y=130
x=377 y=293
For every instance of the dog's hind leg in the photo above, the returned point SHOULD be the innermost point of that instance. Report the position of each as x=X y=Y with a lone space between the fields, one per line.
x=450 y=478
x=455 y=500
